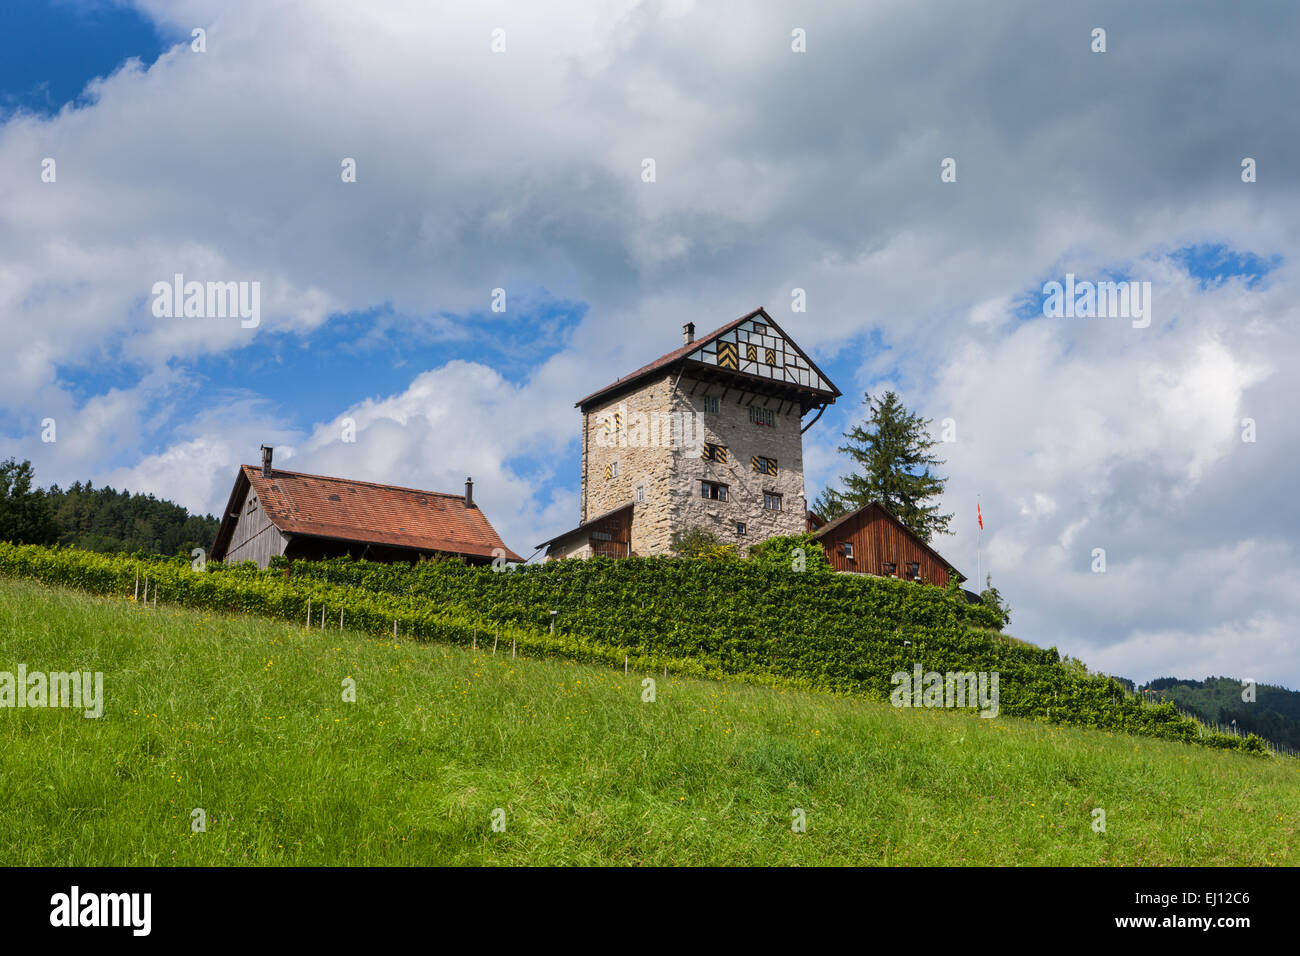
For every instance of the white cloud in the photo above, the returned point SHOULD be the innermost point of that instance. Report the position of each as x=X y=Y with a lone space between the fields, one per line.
x=775 y=170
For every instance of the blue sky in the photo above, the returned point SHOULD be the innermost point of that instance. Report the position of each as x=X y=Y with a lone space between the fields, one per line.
x=50 y=51
x=522 y=170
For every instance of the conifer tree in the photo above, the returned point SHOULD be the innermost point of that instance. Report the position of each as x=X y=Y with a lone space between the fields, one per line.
x=894 y=467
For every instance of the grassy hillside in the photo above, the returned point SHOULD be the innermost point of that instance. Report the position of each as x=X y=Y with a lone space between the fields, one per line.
x=243 y=717
x=757 y=619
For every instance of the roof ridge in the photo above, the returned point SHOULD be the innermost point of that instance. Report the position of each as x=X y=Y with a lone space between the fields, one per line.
x=672 y=354
x=257 y=469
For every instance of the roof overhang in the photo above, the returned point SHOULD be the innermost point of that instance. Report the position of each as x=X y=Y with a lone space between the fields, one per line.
x=844 y=519
x=588 y=523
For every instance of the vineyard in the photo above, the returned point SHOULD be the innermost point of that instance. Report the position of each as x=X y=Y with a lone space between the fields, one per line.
x=755 y=620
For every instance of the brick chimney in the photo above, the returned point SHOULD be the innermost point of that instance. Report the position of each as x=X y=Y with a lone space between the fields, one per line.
x=469 y=492
x=688 y=333
x=266 y=461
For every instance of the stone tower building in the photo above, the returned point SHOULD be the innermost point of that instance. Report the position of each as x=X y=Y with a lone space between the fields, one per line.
x=709 y=435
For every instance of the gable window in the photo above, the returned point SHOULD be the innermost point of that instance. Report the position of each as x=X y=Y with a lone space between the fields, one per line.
x=760 y=328
x=709 y=403
x=639 y=494
x=716 y=453
x=252 y=504
x=762 y=416
x=890 y=569
x=713 y=491
x=771 y=502
x=740 y=527
x=848 y=550
x=764 y=466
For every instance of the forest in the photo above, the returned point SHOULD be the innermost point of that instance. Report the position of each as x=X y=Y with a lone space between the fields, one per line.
x=96 y=519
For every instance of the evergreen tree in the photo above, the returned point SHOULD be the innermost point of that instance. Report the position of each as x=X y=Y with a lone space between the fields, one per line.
x=103 y=519
x=25 y=513
x=991 y=598
x=892 y=451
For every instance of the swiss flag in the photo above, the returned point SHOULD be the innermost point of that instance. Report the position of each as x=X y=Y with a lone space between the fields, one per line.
x=980 y=515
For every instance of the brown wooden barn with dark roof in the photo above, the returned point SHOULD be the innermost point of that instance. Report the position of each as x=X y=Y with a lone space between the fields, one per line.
x=872 y=541
x=272 y=512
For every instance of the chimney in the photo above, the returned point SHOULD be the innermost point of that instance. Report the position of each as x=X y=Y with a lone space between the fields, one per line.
x=266 y=461
x=469 y=492
x=688 y=333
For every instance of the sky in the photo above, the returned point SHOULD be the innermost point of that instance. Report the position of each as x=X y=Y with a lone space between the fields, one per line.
x=795 y=147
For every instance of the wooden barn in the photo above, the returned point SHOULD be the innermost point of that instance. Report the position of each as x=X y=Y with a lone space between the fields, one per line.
x=607 y=535
x=872 y=541
x=272 y=512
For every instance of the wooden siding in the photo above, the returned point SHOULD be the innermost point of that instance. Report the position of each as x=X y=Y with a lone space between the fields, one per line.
x=618 y=527
x=255 y=538
x=876 y=539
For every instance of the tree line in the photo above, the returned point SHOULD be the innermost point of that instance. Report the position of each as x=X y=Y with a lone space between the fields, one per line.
x=96 y=519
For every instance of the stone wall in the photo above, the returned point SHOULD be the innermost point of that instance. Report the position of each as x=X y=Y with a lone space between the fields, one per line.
x=658 y=447
x=731 y=428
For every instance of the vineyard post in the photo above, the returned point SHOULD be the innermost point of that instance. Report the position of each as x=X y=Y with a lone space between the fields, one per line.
x=155 y=596
x=624 y=663
x=494 y=643
x=340 y=619
x=512 y=647
x=394 y=628
x=146 y=589
x=475 y=637
x=309 y=614
x=137 y=585
x=553 y=614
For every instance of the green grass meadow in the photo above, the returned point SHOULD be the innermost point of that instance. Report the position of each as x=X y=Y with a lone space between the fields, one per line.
x=244 y=718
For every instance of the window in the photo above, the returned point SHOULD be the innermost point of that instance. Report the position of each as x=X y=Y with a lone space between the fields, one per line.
x=764 y=466
x=890 y=568
x=848 y=550
x=601 y=536
x=771 y=502
x=252 y=504
x=611 y=470
x=713 y=491
x=639 y=493
x=709 y=403
x=716 y=453
x=762 y=416
x=760 y=328
x=740 y=527
x=914 y=570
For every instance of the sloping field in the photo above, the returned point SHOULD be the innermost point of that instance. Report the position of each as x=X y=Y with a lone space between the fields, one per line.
x=243 y=717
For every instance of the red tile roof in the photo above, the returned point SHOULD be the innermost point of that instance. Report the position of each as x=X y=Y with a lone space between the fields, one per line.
x=367 y=513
